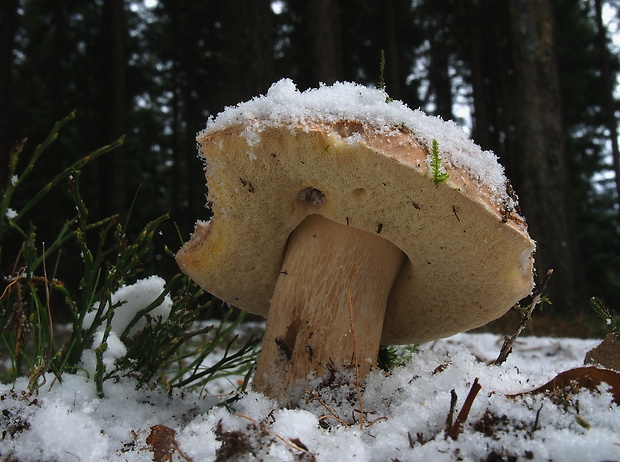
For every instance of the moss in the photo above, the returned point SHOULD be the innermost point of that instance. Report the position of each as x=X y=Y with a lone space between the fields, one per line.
x=439 y=175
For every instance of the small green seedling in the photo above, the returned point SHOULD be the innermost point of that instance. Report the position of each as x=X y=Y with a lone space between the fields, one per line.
x=439 y=175
x=381 y=83
x=391 y=356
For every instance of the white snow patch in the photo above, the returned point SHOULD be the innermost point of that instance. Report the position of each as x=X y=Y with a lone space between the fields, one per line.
x=134 y=298
x=10 y=213
x=405 y=420
x=115 y=350
x=285 y=105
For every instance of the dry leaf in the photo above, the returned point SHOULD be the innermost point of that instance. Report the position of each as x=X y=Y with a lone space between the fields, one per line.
x=162 y=443
x=606 y=354
x=581 y=377
x=297 y=442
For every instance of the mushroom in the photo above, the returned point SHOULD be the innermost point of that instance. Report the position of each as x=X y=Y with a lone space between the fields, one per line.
x=339 y=218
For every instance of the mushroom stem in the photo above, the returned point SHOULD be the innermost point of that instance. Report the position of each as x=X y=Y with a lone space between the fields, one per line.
x=328 y=306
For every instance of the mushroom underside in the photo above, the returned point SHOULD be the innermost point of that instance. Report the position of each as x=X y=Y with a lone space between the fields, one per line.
x=464 y=265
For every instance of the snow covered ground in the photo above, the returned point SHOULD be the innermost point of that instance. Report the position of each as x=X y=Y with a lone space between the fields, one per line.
x=405 y=415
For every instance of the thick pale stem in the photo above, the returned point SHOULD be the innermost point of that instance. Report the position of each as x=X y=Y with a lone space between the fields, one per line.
x=334 y=277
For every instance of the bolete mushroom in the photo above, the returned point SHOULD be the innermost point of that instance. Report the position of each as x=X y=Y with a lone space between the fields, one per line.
x=350 y=221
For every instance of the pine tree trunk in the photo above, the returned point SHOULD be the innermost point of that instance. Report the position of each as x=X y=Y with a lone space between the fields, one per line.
x=608 y=78
x=394 y=79
x=325 y=54
x=178 y=156
x=488 y=51
x=439 y=69
x=113 y=107
x=8 y=24
x=247 y=60
x=482 y=125
x=542 y=165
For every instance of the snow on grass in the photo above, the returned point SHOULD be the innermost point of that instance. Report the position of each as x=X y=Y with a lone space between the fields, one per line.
x=405 y=417
x=132 y=299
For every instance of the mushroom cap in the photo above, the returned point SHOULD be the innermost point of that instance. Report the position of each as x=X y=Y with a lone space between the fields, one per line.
x=345 y=153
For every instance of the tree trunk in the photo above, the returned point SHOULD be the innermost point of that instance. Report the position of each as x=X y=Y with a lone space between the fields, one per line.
x=178 y=156
x=439 y=69
x=487 y=48
x=325 y=48
x=482 y=125
x=247 y=59
x=393 y=52
x=542 y=166
x=113 y=121
x=8 y=25
x=608 y=78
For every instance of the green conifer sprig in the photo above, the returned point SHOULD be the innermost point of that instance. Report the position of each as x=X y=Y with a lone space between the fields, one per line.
x=381 y=84
x=439 y=176
x=607 y=315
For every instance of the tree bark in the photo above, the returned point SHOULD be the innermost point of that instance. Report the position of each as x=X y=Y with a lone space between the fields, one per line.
x=113 y=62
x=323 y=16
x=487 y=51
x=608 y=78
x=476 y=40
x=393 y=53
x=247 y=51
x=8 y=25
x=176 y=88
x=439 y=69
x=542 y=165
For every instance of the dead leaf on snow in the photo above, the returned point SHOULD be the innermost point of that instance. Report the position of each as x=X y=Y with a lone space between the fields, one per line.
x=581 y=377
x=162 y=443
x=606 y=354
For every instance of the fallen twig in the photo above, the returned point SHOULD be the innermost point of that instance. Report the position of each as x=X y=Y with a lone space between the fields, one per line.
x=450 y=418
x=297 y=446
x=453 y=429
x=332 y=413
x=509 y=341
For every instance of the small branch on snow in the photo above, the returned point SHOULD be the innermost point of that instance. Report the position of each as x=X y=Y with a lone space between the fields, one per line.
x=453 y=429
x=509 y=341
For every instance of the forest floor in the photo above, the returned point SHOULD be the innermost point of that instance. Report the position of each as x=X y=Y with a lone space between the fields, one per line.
x=447 y=402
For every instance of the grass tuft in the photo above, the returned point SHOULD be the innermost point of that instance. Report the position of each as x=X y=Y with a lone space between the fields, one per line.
x=165 y=352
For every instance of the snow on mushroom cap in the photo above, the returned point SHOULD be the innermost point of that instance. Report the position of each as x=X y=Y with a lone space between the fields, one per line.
x=285 y=105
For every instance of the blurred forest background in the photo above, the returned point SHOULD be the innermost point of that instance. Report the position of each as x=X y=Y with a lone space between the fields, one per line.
x=533 y=80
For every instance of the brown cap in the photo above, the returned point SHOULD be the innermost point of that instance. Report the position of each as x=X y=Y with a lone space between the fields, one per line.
x=268 y=166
